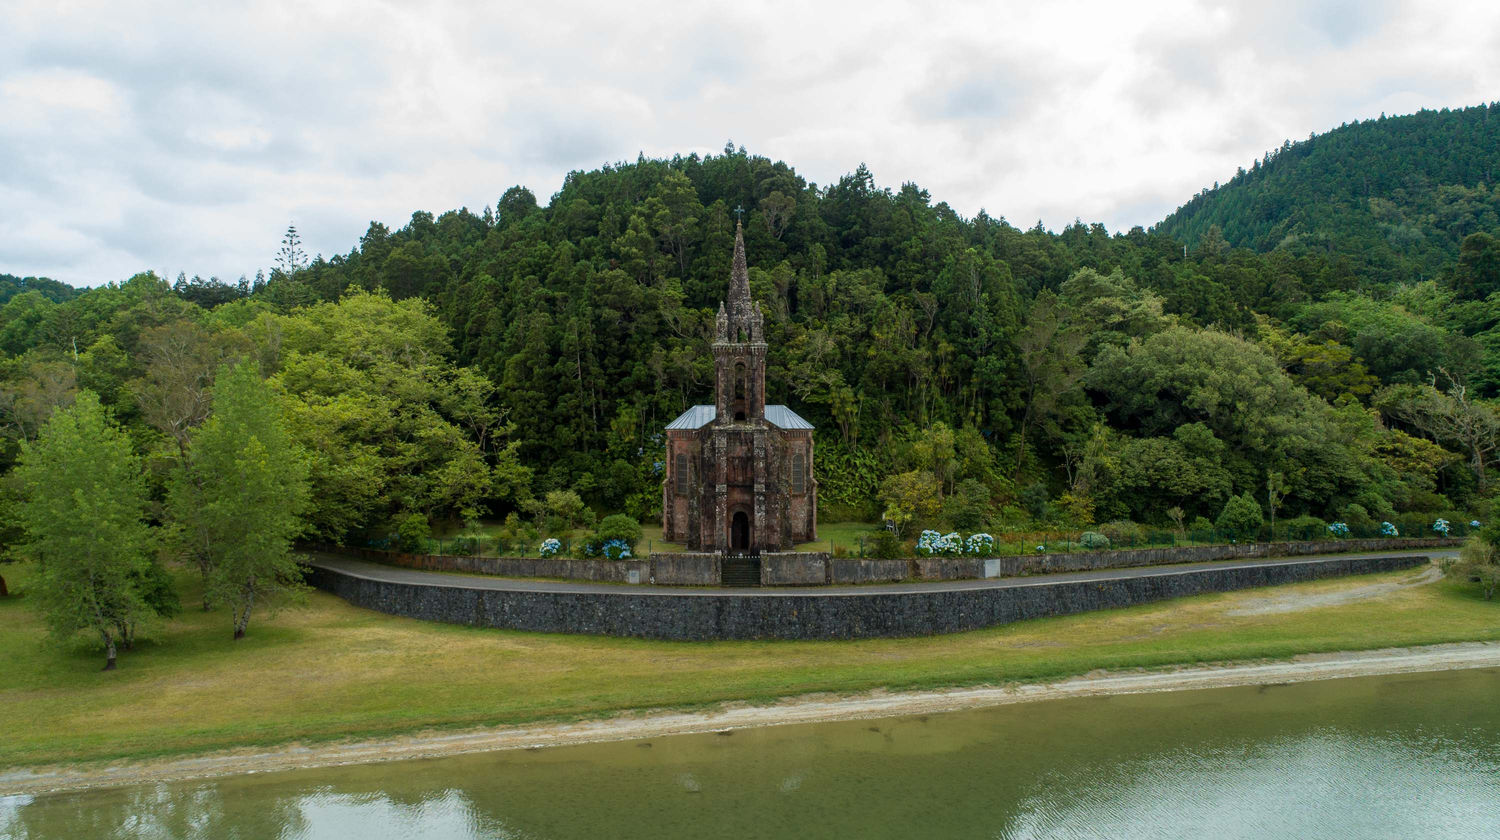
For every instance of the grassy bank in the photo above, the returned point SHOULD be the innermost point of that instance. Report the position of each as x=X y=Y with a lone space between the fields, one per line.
x=328 y=670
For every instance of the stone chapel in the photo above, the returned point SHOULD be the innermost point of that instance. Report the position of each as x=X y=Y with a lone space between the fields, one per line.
x=739 y=472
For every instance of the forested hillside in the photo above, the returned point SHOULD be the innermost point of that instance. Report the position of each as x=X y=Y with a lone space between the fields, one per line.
x=11 y=285
x=1395 y=196
x=964 y=372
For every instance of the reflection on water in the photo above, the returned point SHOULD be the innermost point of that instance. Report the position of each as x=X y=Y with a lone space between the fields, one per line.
x=1407 y=756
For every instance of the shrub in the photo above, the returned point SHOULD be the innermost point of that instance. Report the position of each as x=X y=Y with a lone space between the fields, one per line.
x=1478 y=562
x=1241 y=517
x=1441 y=526
x=887 y=546
x=550 y=547
x=1093 y=541
x=1338 y=530
x=969 y=504
x=930 y=543
x=619 y=527
x=1357 y=517
x=412 y=532
x=616 y=550
x=979 y=545
x=1389 y=530
x=1302 y=527
x=1123 y=531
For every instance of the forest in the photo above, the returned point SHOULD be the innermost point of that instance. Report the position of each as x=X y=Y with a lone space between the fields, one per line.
x=1317 y=340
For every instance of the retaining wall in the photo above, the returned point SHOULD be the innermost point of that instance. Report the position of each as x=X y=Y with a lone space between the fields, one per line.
x=800 y=568
x=810 y=614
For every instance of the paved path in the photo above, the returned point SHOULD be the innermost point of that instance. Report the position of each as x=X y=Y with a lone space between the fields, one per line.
x=396 y=574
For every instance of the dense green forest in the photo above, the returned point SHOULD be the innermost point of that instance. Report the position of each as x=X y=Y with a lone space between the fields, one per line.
x=1258 y=345
x=1396 y=196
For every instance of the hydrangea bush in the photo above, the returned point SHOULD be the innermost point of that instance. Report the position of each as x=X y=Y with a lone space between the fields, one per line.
x=1339 y=530
x=930 y=543
x=1389 y=530
x=616 y=550
x=550 y=547
x=1442 y=527
x=979 y=545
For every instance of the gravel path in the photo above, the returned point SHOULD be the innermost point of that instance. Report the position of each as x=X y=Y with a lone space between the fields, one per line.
x=735 y=716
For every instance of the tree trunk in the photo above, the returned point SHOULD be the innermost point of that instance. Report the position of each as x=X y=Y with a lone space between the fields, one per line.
x=3 y=591
x=242 y=616
x=109 y=651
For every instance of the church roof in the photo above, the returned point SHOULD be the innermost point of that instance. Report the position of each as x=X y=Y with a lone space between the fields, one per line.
x=780 y=415
x=695 y=418
x=701 y=415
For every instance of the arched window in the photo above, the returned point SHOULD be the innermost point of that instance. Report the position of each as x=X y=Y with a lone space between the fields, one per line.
x=739 y=381
x=680 y=472
x=799 y=474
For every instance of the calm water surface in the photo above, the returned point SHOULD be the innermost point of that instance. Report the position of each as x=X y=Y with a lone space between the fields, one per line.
x=1414 y=756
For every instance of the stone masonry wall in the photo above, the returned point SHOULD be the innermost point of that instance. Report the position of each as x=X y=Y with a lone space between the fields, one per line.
x=808 y=614
x=813 y=568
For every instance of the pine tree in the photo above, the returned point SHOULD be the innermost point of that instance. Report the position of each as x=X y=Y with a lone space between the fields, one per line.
x=291 y=258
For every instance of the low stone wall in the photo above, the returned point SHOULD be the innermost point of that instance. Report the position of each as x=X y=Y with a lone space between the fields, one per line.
x=565 y=568
x=850 y=570
x=1128 y=558
x=810 y=614
x=794 y=568
x=686 y=569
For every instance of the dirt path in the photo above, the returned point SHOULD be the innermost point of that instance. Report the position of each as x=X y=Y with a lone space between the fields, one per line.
x=807 y=709
x=1284 y=602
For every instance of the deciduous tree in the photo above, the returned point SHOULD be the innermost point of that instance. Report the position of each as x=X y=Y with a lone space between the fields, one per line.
x=84 y=498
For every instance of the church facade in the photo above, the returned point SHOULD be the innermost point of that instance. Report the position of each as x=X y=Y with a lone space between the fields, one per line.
x=739 y=473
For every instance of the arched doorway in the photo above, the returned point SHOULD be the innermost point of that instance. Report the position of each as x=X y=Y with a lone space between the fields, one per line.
x=739 y=531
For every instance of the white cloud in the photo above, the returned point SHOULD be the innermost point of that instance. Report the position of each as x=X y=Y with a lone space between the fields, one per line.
x=184 y=137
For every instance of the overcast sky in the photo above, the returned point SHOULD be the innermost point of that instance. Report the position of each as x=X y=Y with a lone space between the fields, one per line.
x=185 y=136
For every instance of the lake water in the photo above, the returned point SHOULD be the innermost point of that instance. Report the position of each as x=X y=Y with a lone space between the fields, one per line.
x=1414 y=756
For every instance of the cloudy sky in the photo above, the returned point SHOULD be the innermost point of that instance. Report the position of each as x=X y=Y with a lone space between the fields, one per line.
x=185 y=136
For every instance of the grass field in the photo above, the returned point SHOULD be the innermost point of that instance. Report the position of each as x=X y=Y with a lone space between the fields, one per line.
x=846 y=535
x=328 y=670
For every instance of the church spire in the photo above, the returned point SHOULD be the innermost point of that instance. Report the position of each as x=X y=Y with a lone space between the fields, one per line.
x=739 y=277
x=743 y=323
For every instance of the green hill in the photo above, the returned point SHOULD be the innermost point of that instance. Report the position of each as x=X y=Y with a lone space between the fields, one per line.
x=11 y=285
x=1394 y=195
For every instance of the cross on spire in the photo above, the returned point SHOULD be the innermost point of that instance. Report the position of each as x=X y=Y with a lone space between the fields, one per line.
x=739 y=214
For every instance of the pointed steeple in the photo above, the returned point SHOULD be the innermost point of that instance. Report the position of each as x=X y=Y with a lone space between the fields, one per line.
x=739 y=277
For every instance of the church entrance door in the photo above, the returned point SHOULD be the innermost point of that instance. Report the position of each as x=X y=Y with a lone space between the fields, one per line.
x=739 y=532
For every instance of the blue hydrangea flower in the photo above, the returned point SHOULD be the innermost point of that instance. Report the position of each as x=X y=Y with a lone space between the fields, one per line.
x=1339 y=530
x=1442 y=526
x=550 y=547
x=979 y=545
x=1389 y=530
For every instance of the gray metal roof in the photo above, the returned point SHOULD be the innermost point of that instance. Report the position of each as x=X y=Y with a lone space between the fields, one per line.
x=695 y=418
x=701 y=415
x=780 y=415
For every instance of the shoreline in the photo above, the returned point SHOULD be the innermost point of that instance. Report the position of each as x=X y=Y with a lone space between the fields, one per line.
x=815 y=708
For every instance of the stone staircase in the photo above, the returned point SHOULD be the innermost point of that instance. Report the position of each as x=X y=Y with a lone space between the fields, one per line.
x=741 y=570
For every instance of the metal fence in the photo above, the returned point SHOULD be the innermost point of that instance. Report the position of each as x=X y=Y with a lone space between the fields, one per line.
x=1049 y=542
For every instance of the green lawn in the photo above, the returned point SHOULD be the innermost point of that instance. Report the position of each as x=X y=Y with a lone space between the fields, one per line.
x=329 y=670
